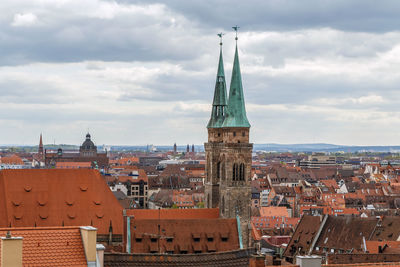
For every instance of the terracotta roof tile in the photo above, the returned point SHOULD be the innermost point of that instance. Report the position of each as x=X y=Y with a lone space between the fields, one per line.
x=72 y=165
x=274 y=211
x=174 y=213
x=50 y=246
x=56 y=197
x=194 y=234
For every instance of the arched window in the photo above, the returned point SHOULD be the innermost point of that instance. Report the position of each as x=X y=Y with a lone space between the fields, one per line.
x=241 y=172
x=235 y=172
x=218 y=170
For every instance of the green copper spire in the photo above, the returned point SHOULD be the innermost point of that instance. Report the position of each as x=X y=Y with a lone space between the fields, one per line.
x=236 y=110
x=219 y=103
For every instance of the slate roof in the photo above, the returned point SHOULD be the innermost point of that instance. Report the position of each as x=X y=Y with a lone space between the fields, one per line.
x=303 y=235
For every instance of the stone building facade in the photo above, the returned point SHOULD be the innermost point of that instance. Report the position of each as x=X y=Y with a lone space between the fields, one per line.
x=229 y=152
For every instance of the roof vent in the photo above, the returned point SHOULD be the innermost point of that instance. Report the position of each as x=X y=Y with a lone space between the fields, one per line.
x=43 y=216
x=16 y=203
x=28 y=188
x=83 y=188
x=42 y=202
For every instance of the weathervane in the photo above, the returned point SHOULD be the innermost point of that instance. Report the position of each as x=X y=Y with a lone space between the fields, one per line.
x=220 y=37
x=236 y=30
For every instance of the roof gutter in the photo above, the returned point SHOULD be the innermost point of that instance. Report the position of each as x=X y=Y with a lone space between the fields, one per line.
x=318 y=234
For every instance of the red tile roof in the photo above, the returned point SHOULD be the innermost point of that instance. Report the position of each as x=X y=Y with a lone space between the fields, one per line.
x=174 y=214
x=387 y=246
x=49 y=246
x=13 y=159
x=57 y=197
x=73 y=165
x=180 y=236
x=274 y=211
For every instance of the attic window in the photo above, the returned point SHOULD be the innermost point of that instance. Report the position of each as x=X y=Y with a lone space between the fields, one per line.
x=210 y=239
x=169 y=240
x=153 y=239
x=196 y=239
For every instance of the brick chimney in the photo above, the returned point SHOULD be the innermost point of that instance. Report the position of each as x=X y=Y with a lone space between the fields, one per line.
x=89 y=238
x=11 y=251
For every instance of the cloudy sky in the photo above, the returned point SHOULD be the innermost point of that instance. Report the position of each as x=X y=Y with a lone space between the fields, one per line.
x=142 y=72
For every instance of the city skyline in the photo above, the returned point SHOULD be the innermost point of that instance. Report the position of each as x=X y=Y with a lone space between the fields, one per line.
x=138 y=73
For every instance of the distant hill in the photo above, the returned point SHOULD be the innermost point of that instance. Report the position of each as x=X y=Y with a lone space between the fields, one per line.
x=269 y=147
x=321 y=147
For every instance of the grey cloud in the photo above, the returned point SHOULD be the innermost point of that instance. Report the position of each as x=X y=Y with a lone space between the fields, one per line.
x=359 y=15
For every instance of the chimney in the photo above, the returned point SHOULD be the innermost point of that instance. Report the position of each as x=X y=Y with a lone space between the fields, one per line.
x=11 y=251
x=257 y=261
x=100 y=254
x=89 y=238
x=308 y=261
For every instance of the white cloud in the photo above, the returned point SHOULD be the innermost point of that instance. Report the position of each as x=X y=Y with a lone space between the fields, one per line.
x=23 y=20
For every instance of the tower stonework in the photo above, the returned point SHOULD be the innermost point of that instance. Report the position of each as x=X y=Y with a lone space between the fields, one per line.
x=229 y=153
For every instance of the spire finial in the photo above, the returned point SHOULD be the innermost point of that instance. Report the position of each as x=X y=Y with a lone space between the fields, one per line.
x=220 y=37
x=236 y=28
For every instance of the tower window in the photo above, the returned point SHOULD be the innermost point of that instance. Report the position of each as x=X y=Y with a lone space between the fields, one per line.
x=243 y=134
x=219 y=134
x=219 y=170
x=241 y=172
x=234 y=133
x=235 y=174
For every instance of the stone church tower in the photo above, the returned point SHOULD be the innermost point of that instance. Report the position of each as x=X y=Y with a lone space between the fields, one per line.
x=228 y=151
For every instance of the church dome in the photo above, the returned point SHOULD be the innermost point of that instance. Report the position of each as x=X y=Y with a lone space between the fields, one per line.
x=88 y=144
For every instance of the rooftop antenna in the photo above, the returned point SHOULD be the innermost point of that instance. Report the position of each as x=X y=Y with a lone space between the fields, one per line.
x=236 y=28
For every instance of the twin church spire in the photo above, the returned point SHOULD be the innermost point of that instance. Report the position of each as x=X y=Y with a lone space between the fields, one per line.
x=231 y=112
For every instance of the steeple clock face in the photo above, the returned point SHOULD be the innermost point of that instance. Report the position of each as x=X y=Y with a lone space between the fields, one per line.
x=220 y=79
